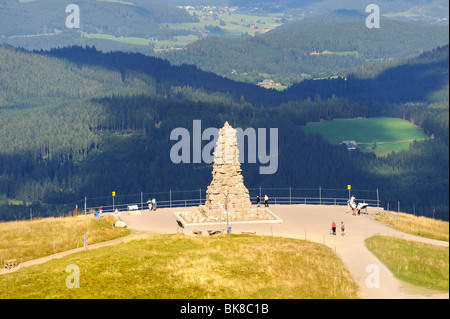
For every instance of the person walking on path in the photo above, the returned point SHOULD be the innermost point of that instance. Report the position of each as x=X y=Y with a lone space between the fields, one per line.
x=266 y=200
x=333 y=227
x=342 y=229
x=153 y=204
x=258 y=201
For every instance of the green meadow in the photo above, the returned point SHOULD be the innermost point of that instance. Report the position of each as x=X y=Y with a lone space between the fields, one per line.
x=128 y=40
x=379 y=135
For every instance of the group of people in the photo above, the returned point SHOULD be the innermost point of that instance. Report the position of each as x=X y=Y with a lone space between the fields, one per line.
x=356 y=209
x=354 y=206
x=266 y=201
x=151 y=204
x=333 y=228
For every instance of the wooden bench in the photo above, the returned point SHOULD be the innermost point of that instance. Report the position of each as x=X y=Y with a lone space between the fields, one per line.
x=248 y=232
x=197 y=232
x=10 y=263
x=214 y=232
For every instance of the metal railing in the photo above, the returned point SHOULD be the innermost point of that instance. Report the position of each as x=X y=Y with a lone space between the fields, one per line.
x=277 y=196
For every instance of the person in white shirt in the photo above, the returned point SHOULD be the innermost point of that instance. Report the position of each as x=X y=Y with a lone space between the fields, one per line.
x=353 y=204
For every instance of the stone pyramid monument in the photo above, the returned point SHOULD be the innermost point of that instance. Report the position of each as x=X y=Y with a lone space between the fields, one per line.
x=227 y=186
x=227 y=194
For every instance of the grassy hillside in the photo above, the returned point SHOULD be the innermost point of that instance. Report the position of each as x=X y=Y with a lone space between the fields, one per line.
x=186 y=267
x=32 y=239
x=415 y=225
x=420 y=264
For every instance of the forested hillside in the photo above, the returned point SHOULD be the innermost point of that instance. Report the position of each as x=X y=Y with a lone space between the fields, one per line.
x=42 y=24
x=305 y=50
x=78 y=123
x=422 y=79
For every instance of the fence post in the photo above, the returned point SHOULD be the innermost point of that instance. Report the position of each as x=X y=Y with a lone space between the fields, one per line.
x=378 y=199
x=200 y=195
x=259 y=191
x=320 y=195
x=142 y=201
x=170 y=198
x=85 y=205
x=290 y=196
x=398 y=207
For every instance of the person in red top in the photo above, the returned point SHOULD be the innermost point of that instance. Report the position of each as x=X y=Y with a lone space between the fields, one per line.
x=333 y=227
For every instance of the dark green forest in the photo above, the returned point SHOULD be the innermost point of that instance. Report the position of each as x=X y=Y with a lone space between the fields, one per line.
x=295 y=50
x=76 y=122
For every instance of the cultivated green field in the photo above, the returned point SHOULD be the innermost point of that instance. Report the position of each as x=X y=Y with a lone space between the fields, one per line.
x=129 y=40
x=379 y=135
x=231 y=23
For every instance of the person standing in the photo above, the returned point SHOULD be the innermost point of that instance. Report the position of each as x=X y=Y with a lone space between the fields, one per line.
x=149 y=202
x=353 y=204
x=342 y=229
x=266 y=200
x=153 y=204
x=258 y=201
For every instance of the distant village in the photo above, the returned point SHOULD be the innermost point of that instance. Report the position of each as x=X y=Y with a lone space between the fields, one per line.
x=210 y=9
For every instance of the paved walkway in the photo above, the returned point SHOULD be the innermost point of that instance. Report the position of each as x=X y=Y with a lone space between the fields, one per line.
x=313 y=222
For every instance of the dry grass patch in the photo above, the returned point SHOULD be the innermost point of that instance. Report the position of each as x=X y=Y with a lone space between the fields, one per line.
x=415 y=225
x=420 y=264
x=186 y=267
x=26 y=240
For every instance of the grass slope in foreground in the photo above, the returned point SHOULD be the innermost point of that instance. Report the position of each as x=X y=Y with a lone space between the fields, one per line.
x=178 y=266
x=381 y=135
x=415 y=225
x=417 y=263
x=32 y=239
